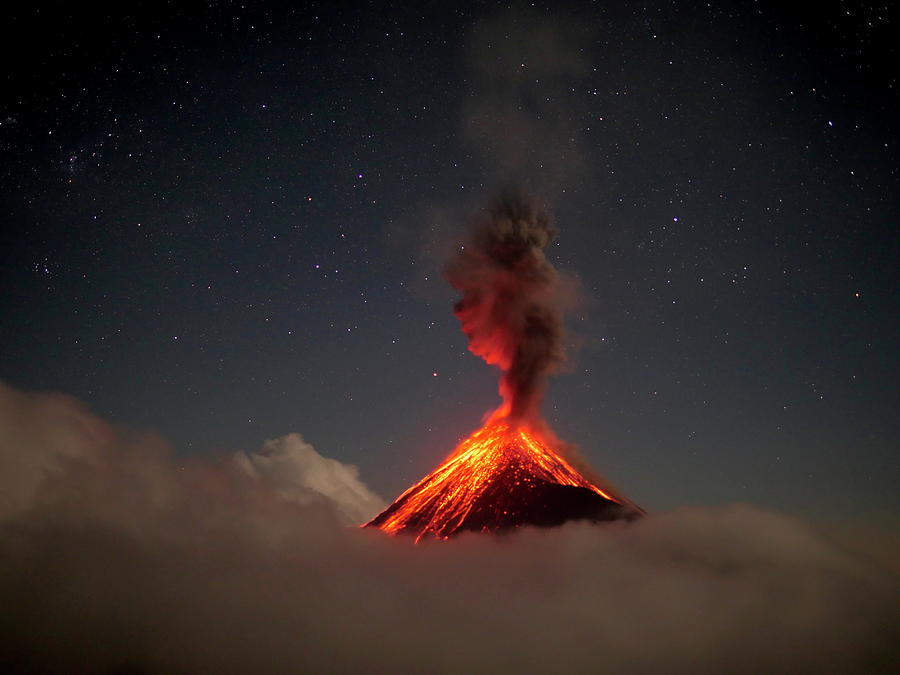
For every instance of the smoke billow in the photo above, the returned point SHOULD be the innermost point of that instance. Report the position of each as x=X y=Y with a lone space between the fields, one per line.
x=520 y=117
x=117 y=556
x=511 y=309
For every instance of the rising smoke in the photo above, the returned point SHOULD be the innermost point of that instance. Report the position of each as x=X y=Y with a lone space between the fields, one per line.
x=522 y=64
x=116 y=556
x=511 y=309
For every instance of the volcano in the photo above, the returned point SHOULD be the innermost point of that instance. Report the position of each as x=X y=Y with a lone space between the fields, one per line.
x=510 y=472
x=501 y=477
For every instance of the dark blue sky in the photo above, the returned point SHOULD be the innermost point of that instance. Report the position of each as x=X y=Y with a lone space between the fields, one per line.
x=227 y=223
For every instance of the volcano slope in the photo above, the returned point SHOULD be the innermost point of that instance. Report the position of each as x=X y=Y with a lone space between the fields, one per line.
x=501 y=477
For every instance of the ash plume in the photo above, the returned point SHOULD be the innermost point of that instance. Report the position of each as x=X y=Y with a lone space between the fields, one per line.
x=510 y=308
x=521 y=63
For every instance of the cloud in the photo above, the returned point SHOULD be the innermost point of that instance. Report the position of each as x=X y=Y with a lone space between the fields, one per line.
x=294 y=469
x=117 y=556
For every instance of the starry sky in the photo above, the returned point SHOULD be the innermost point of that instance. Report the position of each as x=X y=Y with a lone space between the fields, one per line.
x=228 y=222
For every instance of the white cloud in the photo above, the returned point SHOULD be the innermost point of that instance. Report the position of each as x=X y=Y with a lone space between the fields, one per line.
x=293 y=468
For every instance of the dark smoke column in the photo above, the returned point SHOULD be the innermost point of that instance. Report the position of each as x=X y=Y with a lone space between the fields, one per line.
x=510 y=308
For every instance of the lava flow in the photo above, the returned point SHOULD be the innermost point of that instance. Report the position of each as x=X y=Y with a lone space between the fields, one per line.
x=500 y=477
x=510 y=472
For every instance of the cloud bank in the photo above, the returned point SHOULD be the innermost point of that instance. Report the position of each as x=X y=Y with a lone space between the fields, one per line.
x=116 y=556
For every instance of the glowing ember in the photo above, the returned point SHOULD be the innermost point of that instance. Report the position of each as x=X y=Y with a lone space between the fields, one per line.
x=502 y=476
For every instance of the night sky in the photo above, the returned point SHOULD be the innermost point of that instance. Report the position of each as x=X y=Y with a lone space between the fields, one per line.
x=227 y=223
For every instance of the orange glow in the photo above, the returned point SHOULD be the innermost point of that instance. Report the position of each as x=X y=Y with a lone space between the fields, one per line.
x=515 y=455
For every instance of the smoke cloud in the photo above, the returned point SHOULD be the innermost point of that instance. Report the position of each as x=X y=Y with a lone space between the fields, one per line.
x=520 y=117
x=511 y=309
x=117 y=556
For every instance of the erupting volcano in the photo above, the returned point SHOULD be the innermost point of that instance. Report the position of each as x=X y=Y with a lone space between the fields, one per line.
x=510 y=472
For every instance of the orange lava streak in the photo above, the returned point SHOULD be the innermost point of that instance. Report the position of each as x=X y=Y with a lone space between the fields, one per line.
x=437 y=505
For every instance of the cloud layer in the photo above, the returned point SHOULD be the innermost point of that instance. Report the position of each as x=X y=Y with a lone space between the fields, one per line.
x=115 y=556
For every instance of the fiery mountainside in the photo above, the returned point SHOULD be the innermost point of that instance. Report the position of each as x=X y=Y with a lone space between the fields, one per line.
x=498 y=478
x=509 y=472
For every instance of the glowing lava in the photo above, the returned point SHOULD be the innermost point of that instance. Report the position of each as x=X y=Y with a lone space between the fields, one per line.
x=500 y=477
